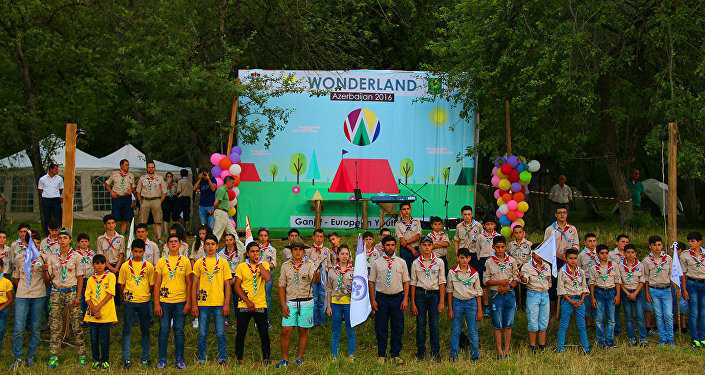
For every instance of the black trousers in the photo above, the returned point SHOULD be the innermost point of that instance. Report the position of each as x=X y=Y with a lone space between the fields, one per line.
x=243 y=320
x=52 y=209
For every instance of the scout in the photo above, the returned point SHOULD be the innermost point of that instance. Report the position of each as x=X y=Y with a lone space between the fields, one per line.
x=428 y=289
x=320 y=256
x=371 y=252
x=5 y=254
x=617 y=257
x=151 y=249
x=536 y=275
x=150 y=192
x=101 y=311
x=441 y=241
x=464 y=301
x=657 y=271
x=47 y=246
x=408 y=233
x=86 y=254
x=382 y=233
x=572 y=289
x=286 y=252
x=111 y=244
x=631 y=275
x=268 y=253
x=6 y=293
x=566 y=238
x=693 y=281
x=334 y=239
x=586 y=259
x=121 y=184
x=520 y=249
x=499 y=276
x=484 y=250
x=18 y=247
x=340 y=280
x=605 y=293
x=466 y=232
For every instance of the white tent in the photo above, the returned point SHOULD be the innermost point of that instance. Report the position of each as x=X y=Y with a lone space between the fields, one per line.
x=656 y=198
x=137 y=161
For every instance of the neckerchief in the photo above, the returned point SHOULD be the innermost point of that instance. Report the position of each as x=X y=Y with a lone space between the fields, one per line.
x=110 y=242
x=503 y=264
x=168 y=266
x=592 y=255
x=408 y=225
x=262 y=248
x=296 y=271
x=599 y=271
x=98 y=282
x=628 y=270
x=123 y=175
x=561 y=231
x=659 y=267
x=539 y=272
x=427 y=270
x=341 y=273
x=215 y=269
x=132 y=271
x=84 y=257
x=389 y=267
x=575 y=278
x=521 y=253
x=369 y=254
x=622 y=257
x=489 y=236
x=468 y=230
x=50 y=243
x=21 y=246
x=254 y=274
x=698 y=263
x=150 y=179
x=63 y=262
x=229 y=257
x=440 y=236
x=467 y=282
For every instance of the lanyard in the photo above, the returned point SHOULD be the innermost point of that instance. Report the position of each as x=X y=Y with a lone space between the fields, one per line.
x=468 y=283
x=254 y=274
x=389 y=268
x=296 y=271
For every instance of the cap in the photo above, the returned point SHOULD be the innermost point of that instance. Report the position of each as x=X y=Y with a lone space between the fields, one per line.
x=426 y=239
x=66 y=231
x=297 y=242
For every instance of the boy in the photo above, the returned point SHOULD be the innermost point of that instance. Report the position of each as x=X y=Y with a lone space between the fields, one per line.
x=441 y=241
x=382 y=233
x=389 y=277
x=536 y=275
x=657 y=271
x=172 y=299
x=464 y=301
x=66 y=279
x=408 y=233
x=101 y=311
x=5 y=253
x=151 y=249
x=572 y=290
x=86 y=254
x=604 y=291
x=693 y=282
x=631 y=275
x=47 y=246
x=371 y=254
x=211 y=297
x=520 y=249
x=484 y=250
x=499 y=277
x=135 y=284
x=286 y=252
x=566 y=238
x=466 y=233
x=296 y=298
x=586 y=259
x=428 y=286
x=617 y=257
x=18 y=247
x=334 y=240
x=320 y=256
x=267 y=253
x=5 y=300
x=111 y=244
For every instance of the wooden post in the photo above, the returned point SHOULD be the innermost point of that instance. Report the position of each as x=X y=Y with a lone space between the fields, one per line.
x=364 y=214
x=672 y=183
x=318 y=214
x=233 y=120
x=69 y=176
x=509 y=129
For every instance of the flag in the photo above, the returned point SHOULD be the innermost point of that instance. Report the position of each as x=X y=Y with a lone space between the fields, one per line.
x=248 y=231
x=131 y=238
x=344 y=152
x=30 y=255
x=360 y=298
x=676 y=270
x=547 y=252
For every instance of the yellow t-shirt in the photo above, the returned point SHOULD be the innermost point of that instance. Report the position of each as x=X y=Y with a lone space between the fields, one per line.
x=132 y=292
x=173 y=289
x=244 y=273
x=5 y=286
x=211 y=292
x=107 y=286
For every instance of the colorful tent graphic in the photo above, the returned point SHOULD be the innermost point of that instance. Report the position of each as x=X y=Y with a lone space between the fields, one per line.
x=249 y=172
x=369 y=175
x=361 y=127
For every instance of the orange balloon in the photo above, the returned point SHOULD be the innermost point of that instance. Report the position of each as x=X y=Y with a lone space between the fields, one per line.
x=225 y=164
x=506 y=197
x=512 y=215
x=237 y=181
x=518 y=197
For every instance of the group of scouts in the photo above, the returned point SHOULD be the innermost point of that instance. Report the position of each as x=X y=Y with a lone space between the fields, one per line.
x=492 y=276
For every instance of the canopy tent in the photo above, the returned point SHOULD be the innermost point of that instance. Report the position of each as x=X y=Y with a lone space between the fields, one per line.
x=137 y=161
x=371 y=176
x=655 y=198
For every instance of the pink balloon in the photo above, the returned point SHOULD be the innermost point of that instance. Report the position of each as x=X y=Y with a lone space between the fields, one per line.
x=218 y=182
x=512 y=205
x=499 y=214
x=494 y=171
x=233 y=223
x=224 y=174
x=520 y=214
x=495 y=181
x=216 y=158
x=514 y=224
x=496 y=194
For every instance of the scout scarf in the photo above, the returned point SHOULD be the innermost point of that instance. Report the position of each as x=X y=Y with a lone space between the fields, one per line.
x=575 y=278
x=389 y=267
x=659 y=267
x=22 y=246
x=84 y=257
x=427 y=270
x=262 y=248
x=698 y=262
x=620 y=255
x=468 y=229
x=503 y=264
x=150 y=180
x=168 y=266
x=539 y=272
x=230 y=256
x=342 y=273
x=50 y=243
x=440 y=236
x=123 y=175
x=592 y=255
x=408 y=225
x=97 y=284
x=111 y=242
x=561 y=231
x=599 y=271
x=63 y=262
x=489 y=236
x=296 y=271
x=468 y=283
x=215 y=270
x=369 y=254
x=132 y=271
x=630 y=270
x=254 y=274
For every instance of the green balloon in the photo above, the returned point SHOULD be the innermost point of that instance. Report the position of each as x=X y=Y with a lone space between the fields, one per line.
x=525 y=176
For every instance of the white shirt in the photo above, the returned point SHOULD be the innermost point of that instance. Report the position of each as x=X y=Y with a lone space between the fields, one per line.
x=564 y=193
x=51 y=186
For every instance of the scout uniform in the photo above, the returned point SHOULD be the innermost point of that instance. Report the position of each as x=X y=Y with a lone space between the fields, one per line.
x=198 y=253
x=426 y=277
x=48 y=246
x=389 y=275
x=572 y=283
x=586 y=259
x=604 y=277
x=565 y=237
x=483 y=245
x=441 y=252
x=151 y=252
x=372 y=254
x=520 y=250
x=408 y=230
x=630 y=276
x=320 y=256
x=111 y=247
x=150 y=190
x=340 y=284
x=252 y=283
x=138 y=281
x=64 y=271
x=16 y=248
x=6 y=256
x=616 y=257
x=693 y=266
x=657 y=271
x=297 y=280
x=122 y=184
x=503 y=306
x=465 y=288
x=234 y=258
x=35 y=292
x=538 y=280
x=183 y=249
x=538 y=277
x=268 y=253
x=339 y=289
x=184 y=192
x=466 y=235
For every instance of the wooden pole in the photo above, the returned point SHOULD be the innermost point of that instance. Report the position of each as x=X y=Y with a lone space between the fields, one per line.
x=233 y=120
x=69 y=176
x=509 y=129
x=672 y=183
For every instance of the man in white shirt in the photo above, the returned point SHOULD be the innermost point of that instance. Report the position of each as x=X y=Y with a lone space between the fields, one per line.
x=51 y=189
x=561 y=195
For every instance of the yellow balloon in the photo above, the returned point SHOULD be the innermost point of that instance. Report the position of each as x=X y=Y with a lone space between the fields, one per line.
x=500 y=174
x=500 y=201
x=504 y=184
x=523 y=206
x=232 y=211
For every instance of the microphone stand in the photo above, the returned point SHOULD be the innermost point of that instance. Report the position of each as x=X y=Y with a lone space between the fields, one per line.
x=446 y=201
x=416 y=192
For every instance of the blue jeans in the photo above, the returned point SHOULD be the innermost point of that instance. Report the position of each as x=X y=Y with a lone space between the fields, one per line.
x=142 y=311
x=319 y=304
x=589 y=310
x=204 y=320
x=205 y=218
x=634 y=310
x=389 y=312
x=566 y=311
x=663 y=311
x=696 y=314
x=408 y=257
x=27 y=309
x=538 y=310
x=427 y=305
x=171 y=311
x=268 y=293
x=464 y=309
x=604 y=315
x=100 y=341
x=502 y=308
x=3 y=323
x=340 y=312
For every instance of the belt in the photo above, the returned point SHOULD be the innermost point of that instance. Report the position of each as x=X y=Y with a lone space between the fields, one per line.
x=51 y=198
x=599 y=287
x=150 y=199
x=64 y=290
x=300 y=299
x=222 y=209
x=122 y=196
x=427 y=291
x=660 y=287
x=576 y=297
x=699 y=281
x=390 y=295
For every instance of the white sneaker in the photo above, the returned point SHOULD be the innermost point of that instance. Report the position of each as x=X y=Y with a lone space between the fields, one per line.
x=195 y=324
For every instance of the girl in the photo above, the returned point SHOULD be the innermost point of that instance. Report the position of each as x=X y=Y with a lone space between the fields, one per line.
x=177 y=230
x=268 y=254
x=339 y=286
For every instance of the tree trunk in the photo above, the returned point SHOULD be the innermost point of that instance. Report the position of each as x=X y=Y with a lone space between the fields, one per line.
x=690 y=200
x=619 y=183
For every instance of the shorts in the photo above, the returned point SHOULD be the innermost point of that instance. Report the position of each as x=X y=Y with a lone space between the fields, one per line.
x=300 y=314
x=182 y=205
x=122 y=208
x=151 y=205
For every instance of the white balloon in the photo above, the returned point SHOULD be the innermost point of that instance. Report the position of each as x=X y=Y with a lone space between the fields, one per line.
x=235 y=169
x=534 y=166
x=237 y=191
x=503 y=209
x=232 y=203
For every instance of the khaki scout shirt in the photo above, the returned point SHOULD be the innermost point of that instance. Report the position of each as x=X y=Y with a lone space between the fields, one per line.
x=693 y=265
x=615 y=256
x=657 y=270
x=631 y=276
x=318 y=255
x=86 y=262
x=399 y=275
x=333 y=281
x=464 y=285
x=571 y=284
x=48 y=246
x=151 y=252
x=183 y=250
x=287 y=279
x=538 y=277
x=151 y=187
x=402 y=231
x=184 y=188
x=16 y=248
x=268 y=254
x=286 y=254
x=568 y=237
x=506 y=269
x=521 y=251
x=111 y=248
x=484 y=247
x=73 y=270
x=587 y=259
x=604 y=275
x=121 y=184
x=37 y=288
x=431 y=280
x=440 y=237
x=372 y=255
x=466 y=235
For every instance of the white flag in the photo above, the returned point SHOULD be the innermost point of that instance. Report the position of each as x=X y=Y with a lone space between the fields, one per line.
x=248 y=231
x=131 y=238
x=359 y=296
x=676 y=270
x=547 y=252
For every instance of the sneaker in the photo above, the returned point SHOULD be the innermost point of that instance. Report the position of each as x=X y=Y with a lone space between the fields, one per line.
x=420 y=356
x=696 y=344
x=380 y=360
x=398 y=360
x=127 y=363
x=612 y=345
x=633 y=342
x=222 y=362
x=644 y=343
x=161 y=364
x=226 y=324
x=195 y=324
x=266 y=362
x=453 y=359
x=283 y=364
x=145 y=362
x=435 y=357
x=95 y=365
x=105 y=366
x=53 y=361
x=542 y=348
x=201 y=361
x=602 y=344
x=180 y=364
x=351 y=358
x=270 y=326
x=16 y=364
x=652 y=332
x=672 y=344
x=82 y=361
x=299 y=362
x=486 y=312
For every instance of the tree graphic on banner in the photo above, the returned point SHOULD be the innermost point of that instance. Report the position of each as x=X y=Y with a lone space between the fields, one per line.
x=445 y=173
x=297 y=165
x=313 y=172
x=273 y=171
x=407 y=169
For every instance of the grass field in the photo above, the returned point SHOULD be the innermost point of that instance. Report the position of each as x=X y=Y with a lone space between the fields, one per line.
x=624 y=359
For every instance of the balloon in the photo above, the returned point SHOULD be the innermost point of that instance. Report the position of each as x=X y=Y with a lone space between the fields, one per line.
x=496 y=194
x=235 y=169
x=500 y=174
x=231 y=195
x=495 y=181
x=224 y=174
x=506 y=168
x=498 y=162
x=513 y=161
x=524 y=190
x=521 y=221
x=504 y=184
x=502 y=192
x=218 y=182
x=506 y=232
x=232 y=211
x=512 y=205
x=233 y=202
x=498 y=214
x=518 y=196
x=523 y=159
x=534 y=166
x=236 y=150
x=237 y=181
x=500 y=202
x=514 y=176
x=522 y=167
x=503 y=209
x=512 y=215
x=233 y=223
x=506 y=198
x=216 y=157
x=237 y=191
x=494 y=171
x=234 y=157
x=514 y=224
x=504 y=221
x=525 y=176
x=216 y=171
x=225 y=164
x=520 y=214
x=522 y=207
x=515 y=186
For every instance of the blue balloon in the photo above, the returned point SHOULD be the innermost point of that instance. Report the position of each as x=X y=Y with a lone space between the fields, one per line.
x=522 y=167
x=503 y=221
x=498 y=162
x=216 y=171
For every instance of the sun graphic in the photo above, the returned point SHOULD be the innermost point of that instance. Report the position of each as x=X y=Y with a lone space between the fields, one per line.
x=438 y=116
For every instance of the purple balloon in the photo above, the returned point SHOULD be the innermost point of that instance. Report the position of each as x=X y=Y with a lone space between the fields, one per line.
x=216 y=171
x=513 y=161
x=234 y=157
x=498 y=162
x=516 y=187
x=236 y=150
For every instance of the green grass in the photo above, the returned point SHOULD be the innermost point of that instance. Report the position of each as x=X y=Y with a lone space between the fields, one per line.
x=681 y=360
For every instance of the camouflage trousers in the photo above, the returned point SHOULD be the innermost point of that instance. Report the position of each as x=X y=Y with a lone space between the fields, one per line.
x=59 y=301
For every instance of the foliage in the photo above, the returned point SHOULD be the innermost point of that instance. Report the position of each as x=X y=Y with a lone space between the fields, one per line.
x=406 y=167
x=297 y=165
x=273 y=171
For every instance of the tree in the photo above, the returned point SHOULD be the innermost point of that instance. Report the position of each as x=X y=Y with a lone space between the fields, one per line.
x=313 y=172
x=273 y=170
x=407 y=169
x=445 y=173
x=297 y=165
